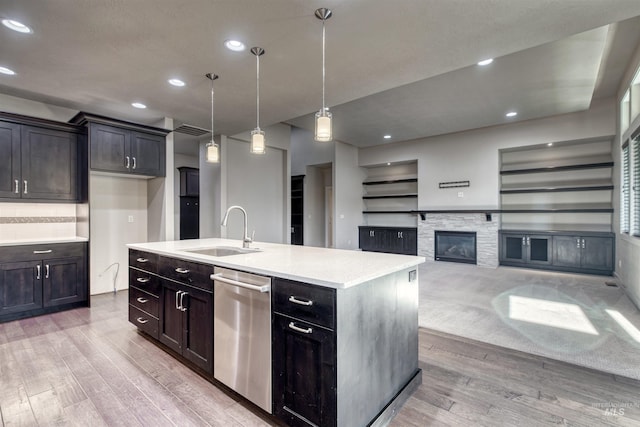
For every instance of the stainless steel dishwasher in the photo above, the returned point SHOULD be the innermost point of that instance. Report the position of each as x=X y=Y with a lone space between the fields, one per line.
x=242 y=334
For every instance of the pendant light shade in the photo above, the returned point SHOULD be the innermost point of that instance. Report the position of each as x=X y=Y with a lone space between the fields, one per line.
x=213 y=149
x=324 y=128
x=258 y=143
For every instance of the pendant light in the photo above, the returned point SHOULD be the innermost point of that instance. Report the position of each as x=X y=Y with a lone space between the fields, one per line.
x=213 y=149
x=324 y=131
x=257 y=135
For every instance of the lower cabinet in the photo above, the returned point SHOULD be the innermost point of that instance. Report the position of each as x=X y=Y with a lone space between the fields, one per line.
x=304 y=354
x=584 y=253
x=573 y=252
x=172 y=301
x=186 y=322
x=398 y=240
x=38 y=279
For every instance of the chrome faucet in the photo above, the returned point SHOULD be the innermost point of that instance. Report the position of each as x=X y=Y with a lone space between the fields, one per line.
x=246 y=239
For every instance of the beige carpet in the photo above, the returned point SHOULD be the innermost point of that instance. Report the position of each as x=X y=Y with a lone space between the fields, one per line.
x=570 y=317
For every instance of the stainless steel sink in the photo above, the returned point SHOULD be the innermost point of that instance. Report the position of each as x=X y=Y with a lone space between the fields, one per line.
x=221 y=251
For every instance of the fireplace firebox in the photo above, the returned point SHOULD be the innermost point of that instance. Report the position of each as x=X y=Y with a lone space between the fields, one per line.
x=456 y=246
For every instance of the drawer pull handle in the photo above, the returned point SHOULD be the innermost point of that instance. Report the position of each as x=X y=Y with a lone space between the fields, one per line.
x=142 y=300
x=48 y=251
x=143 y=279
x=181 y=270
x=142 y=260
x=142 y=320
x=295 y=300
x=298 y=329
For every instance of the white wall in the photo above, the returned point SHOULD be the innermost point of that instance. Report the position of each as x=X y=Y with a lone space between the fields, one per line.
x=314 y=206
x=112 y=201
x=257 y=183
x=347 y=190
x=305 y=151
x=212 y=198
x=474 y=155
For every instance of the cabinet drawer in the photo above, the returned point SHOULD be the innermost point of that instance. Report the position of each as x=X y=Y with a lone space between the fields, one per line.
x=310 y=303
x=42 y=251
x=187 y=272
x=144 y=301
x=144 y=322
x=145 y=281
x=143 y=260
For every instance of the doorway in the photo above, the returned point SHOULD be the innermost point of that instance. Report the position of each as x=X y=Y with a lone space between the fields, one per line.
x=318 y=206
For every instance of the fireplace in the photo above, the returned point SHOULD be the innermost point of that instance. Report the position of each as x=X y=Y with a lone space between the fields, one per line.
x=455 y=246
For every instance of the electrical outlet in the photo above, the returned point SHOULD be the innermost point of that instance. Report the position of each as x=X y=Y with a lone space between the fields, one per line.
x=460 y=194
x=130 y=219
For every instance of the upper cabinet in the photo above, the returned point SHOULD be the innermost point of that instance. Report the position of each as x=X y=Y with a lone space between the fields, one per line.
x=41 y=160
x=123 y=147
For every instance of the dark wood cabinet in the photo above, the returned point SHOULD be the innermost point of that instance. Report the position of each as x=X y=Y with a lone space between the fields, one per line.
x=304 y=354
x=562 y=251
x=399 y=240
x=172 y=301
x=39 y=162
x=584 y=253
x=117 y=149
x=297 y=210
x=39 y=279
x=189 y=217
x=189 y=181
x=526 y=249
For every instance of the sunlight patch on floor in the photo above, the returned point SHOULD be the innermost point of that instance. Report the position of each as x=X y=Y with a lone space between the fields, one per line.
x=625 y=324
x=550 y=313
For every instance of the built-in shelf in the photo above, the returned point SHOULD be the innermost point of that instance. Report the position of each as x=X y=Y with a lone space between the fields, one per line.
x=557 y=189
x=392 y=196
x=388 y=212
x=565 y=164
x=390 y=181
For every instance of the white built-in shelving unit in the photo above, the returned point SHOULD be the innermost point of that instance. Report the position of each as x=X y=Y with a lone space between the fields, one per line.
x=390 y=194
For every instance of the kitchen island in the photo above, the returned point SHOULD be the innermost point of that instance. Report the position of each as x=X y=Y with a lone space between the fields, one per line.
x=342 y=325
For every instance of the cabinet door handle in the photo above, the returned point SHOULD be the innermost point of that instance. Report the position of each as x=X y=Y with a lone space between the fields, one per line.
x=142 y=300
x=181 y=270
x=48 y=251
x=142 y=260
x=17 y=187
x=578 y=243
x=524 y=241
x=134 y=163
x=142 y=320
x=582 y=243
x=46 y=271
x=38 y=272
x=182 y=307
x=177 y=299
x=298 y=329
x=528 y=242
x=143 y=279
x=26 y=187
x=127 y=162
x=295 y=300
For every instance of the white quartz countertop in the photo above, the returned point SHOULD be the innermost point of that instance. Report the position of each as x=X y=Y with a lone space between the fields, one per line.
x=42 y=241
x=334 y=268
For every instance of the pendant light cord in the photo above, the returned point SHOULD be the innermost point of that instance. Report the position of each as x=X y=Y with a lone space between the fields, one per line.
x=258 y=91
x=212 y=140
x=323 y=60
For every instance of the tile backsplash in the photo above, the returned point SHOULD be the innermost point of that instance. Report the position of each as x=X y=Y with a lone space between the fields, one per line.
x=28 y=221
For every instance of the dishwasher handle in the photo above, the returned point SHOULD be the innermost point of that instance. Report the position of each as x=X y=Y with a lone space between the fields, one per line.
x=258 y=288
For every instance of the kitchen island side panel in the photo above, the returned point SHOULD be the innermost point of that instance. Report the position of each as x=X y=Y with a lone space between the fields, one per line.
x=377 y=344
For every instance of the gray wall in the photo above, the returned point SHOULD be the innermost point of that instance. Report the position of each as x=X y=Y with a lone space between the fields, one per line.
x=474 y=156
x=627 y=247
x=347 y=193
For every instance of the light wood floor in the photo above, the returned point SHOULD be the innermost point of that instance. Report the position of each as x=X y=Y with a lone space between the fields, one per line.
x=90 y=367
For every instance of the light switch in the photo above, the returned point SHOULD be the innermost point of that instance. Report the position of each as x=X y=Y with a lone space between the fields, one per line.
x=460 y=194
x=130 y=219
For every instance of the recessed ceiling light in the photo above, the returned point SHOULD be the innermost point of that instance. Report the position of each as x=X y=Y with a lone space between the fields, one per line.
x=550 y=144
x=387 y=137
x=388 y=163
x=16 y=26
x=8 y=71
x=511 y=114
x=138 y=105
x=176 y=82
x=485 y=62
x=234 y=45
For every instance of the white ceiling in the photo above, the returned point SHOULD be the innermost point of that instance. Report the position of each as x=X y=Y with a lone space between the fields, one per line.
x=402 y=67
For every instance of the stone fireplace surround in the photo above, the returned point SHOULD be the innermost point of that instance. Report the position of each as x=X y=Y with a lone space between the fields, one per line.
x=486 y=233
